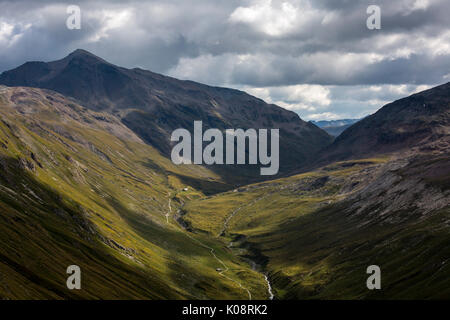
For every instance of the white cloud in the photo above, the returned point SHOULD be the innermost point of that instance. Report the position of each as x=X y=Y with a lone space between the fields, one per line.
x=297 y=97
x=314 y=102
x=264 y=16
x=110 y=20
x=11 y=33
x=6 y=31
x=322 y=116
x=314 y=94
x=420 y=5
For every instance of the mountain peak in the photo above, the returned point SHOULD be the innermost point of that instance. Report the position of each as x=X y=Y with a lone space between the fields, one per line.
x=84 y=55
x=80 y=52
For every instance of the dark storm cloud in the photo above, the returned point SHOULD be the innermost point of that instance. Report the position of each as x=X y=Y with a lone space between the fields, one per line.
x=152 y=34
x=248 y=43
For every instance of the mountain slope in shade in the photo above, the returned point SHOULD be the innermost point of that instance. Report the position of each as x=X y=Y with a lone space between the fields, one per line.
x=153 y=105
x=421 y=120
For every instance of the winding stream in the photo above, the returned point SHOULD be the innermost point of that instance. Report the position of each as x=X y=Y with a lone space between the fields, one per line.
x=253 y=264
x=269 y=287
x=255 y=267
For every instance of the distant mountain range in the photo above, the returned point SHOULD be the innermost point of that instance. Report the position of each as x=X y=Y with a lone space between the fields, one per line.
x=153 y=105
x=335 y=127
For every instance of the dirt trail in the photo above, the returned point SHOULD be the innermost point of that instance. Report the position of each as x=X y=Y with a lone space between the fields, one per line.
x=235 y=211
x=212 y=252
x=169 y=212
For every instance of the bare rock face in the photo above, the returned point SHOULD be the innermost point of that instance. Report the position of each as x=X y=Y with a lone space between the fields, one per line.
x=397 y=192
x=26 y=164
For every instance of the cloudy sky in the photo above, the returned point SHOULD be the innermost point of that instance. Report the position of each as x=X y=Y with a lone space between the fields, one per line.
x=315 y=57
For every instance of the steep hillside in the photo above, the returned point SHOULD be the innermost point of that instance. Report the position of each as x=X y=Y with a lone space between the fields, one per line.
x=78 y=187
x=153 y=105
x=315 y=234
x=414 y=121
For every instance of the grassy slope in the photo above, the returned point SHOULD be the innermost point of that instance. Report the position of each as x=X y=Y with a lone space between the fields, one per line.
x=316 y=243
x=77 y=188
x=96 y=199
